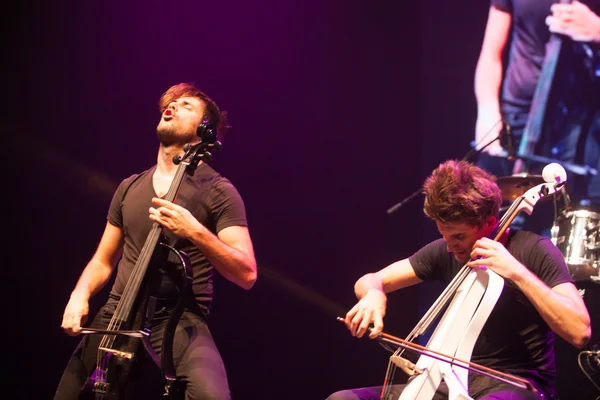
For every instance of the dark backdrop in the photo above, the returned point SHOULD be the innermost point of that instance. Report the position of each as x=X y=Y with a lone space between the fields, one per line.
x=339 y=109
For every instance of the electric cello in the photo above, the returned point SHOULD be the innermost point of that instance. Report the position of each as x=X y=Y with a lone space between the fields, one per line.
x=129 y=327
x=468 y=301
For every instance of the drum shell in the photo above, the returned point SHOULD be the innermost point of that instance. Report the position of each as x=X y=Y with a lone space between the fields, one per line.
x=576 y=233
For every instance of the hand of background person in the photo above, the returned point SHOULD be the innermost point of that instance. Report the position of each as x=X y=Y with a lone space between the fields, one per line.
x=488 y=128
x=575 y=20
x=369 y=309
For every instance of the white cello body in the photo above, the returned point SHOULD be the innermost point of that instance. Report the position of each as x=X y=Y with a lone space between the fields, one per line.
x=455 y=335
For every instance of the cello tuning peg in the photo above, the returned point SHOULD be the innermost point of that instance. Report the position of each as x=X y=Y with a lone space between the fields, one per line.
x=207 y=156
x=554 y=173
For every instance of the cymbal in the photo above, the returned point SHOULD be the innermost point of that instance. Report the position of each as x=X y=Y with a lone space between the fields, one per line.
x=516 y=185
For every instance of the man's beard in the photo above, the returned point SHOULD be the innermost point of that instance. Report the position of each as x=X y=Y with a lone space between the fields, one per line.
x=169 y=136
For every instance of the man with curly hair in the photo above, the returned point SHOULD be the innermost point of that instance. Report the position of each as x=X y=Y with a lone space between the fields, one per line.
x=538 y=299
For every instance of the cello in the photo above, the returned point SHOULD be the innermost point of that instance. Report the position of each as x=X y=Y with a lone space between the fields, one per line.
x=128 y=331
x=468 y=301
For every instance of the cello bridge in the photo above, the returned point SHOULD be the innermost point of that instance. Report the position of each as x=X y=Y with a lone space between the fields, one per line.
x=406 y=365
x=122 y=354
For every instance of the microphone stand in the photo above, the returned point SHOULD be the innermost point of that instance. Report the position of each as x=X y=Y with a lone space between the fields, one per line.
x=577 y=169
x=470 y=154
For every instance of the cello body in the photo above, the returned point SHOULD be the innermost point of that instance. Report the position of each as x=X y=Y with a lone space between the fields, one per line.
x=119 y=353
x=467 y=312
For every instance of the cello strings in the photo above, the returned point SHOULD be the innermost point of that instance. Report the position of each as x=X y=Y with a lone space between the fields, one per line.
x=133 y=283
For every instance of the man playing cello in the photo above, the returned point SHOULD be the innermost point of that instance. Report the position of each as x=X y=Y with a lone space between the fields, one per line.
x=539 y=298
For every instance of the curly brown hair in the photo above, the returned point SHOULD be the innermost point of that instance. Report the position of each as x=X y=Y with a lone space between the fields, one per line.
x=458 y=191
x=212 y=114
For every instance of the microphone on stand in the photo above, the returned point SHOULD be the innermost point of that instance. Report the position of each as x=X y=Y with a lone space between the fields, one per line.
x=470 y=154
x=508 y=141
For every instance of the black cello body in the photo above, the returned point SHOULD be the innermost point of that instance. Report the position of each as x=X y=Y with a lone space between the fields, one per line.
x=119 y=353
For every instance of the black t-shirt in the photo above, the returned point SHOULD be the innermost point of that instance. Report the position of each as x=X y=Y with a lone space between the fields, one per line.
x=527 y=48
x=209 y=197
x=515 y=339
x=528 y=43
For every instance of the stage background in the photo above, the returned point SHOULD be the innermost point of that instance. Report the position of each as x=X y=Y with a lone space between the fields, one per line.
x=339 y=110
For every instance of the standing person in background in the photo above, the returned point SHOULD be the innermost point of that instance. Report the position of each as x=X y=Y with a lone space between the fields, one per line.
x=572 y=127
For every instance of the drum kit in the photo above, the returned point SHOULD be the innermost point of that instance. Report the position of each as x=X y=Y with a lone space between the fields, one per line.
x=575 y=230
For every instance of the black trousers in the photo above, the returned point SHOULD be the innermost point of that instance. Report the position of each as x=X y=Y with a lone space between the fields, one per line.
x=480 y=388
x=197 y=360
